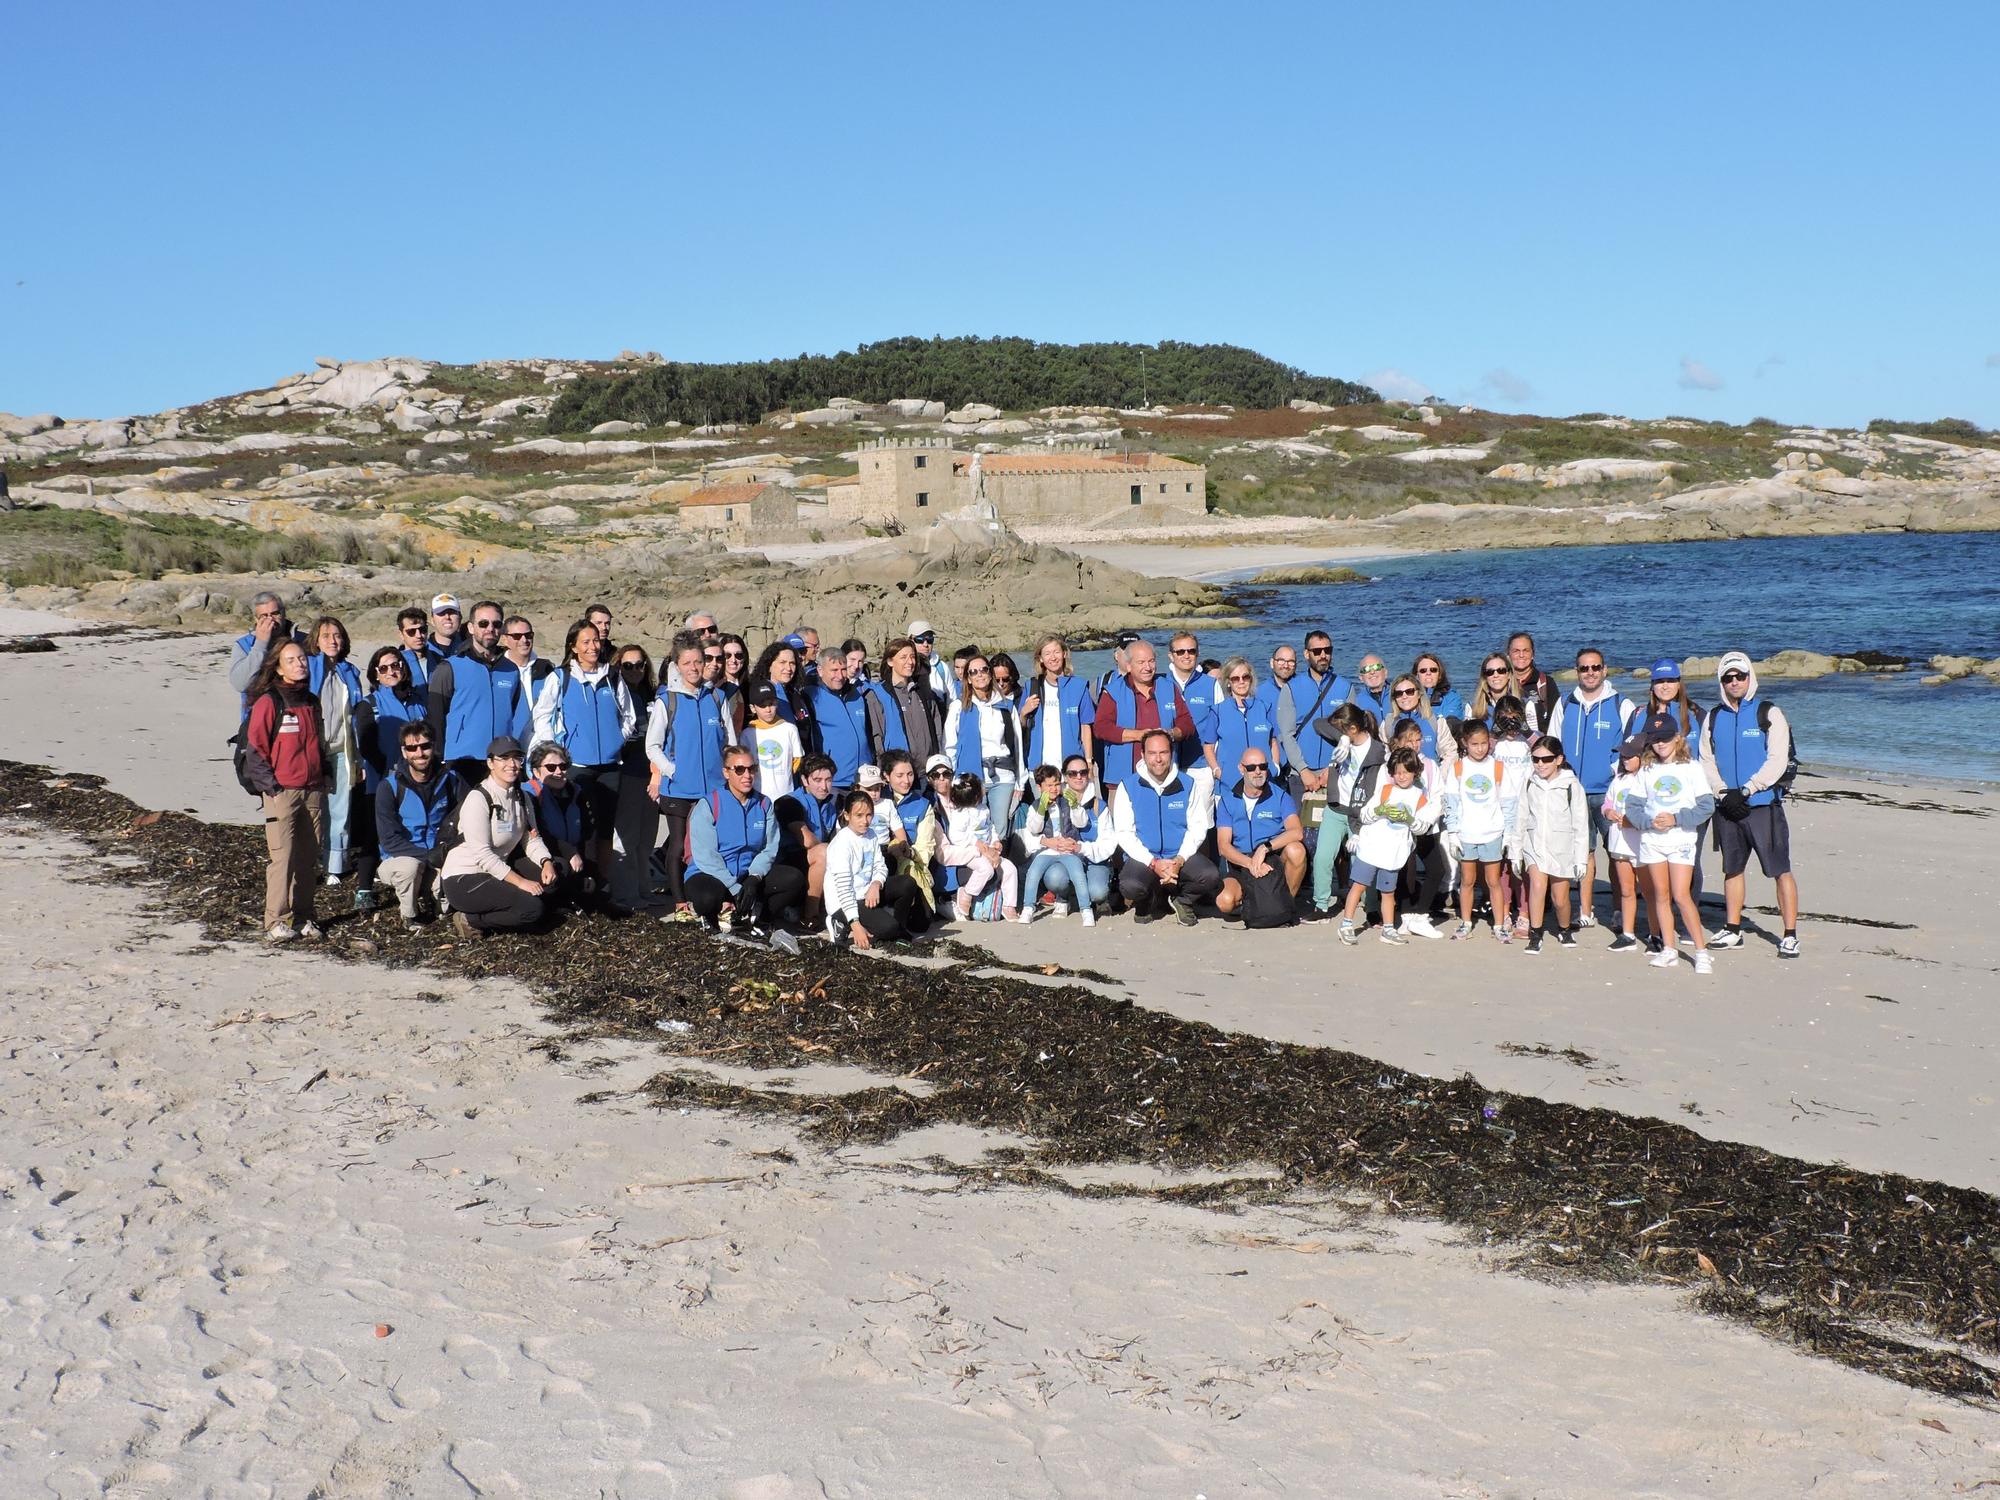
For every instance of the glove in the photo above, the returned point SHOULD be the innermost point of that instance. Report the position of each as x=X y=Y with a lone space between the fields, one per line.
x=1453 y=846
x=1735 y=804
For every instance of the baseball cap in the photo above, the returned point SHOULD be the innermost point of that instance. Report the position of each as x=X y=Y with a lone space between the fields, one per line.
x=504 y=744
x=935 y=764
x=442 y=602
x=1666 y=669
x=1129 y=638
x=920 y=627
x=1634 y=746
x=1733 y=661
x=796 y=641
x=761 y=694
x=868 y=777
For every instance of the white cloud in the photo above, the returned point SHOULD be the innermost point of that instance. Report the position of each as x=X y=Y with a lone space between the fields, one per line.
x=1508 y=386
x=1769 y=362
x=1396 y=386
x=1696 y=376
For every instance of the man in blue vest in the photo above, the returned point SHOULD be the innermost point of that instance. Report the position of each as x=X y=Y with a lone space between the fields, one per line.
x=840 y=721
x=733 y=864
x=1746 y=749
x=1133 y=705
x=1202 y=694
x=1159 y=821
x=1591 y=720
x=447 y=627
x=1257 y=830
x=419 y=655
x=475 y=698
x=687 y=732
x=411 y=805
x=246 y=658
x=1314 y=693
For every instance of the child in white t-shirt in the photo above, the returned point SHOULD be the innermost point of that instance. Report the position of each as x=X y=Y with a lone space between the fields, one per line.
x=1674 y=799
x=1478 y=813
x=1510 y=749
x=1392 y=814
x=774 y=741
x=1621 y=808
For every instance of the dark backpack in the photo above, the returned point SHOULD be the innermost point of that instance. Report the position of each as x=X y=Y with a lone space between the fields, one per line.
x=1267 y=901
x=1784 y=783
x=450 y=835
x=253 y=772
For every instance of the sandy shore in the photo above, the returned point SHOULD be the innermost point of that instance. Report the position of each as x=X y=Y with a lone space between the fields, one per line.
x=226 y=1168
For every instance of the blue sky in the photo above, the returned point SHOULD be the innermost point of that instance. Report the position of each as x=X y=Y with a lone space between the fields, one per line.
x=1723 y=211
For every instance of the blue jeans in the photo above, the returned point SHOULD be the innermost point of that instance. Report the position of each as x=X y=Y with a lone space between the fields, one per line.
x=1067 y=875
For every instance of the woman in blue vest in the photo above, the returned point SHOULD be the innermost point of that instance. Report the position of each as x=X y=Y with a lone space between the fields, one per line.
x=687 y=735
x=1445 y=700
x=1243 y=719
x=584 y=707
x=1057 y=709
x=636 y=820
x=335 y=682
x=982 y=735
x=779 y=665
x=390 y=700
x=566 y=819
x=1409 y=700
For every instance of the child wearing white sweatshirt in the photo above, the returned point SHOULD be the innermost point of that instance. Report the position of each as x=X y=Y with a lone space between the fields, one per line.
x=970 y=844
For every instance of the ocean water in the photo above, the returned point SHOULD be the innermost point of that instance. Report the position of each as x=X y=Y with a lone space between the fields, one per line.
x=1915 y=596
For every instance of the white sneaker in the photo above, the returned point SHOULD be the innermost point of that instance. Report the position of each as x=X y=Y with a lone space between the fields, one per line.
x=1058 y=908
x=1703 y=964
x=1666 y=958
x=1089 y=917
x=1027 y=915
x=283 y=932
x=1420 y=926
x=1586 y=920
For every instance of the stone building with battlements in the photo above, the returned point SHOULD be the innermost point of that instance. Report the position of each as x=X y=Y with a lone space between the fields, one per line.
x=913 y=481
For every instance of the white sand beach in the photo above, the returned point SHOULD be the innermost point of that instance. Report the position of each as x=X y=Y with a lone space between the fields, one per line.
x=283 y=1225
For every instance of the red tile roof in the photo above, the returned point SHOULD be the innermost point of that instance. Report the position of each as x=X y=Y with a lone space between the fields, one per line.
x=725 y=494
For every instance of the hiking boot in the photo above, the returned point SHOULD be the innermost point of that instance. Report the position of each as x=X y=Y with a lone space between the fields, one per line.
x=1623 y=943
x=1788 y=946
x=284 y=932
x=1183 y=910
x=1725 y=939
x=1703 y=964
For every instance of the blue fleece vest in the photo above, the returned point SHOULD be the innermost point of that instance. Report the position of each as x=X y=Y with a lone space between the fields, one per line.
x=1071 y=820
x=558 y=820
x=1316 y=747
x=1250 y=826
x=587 y=720
x=391 y=714
x=485 y=704
x=842 y=721
x=1120 y=759
x=1377 y=704
x=911 y=807
x=422 y=820
x=1072 y=699
x=821 y=816
x=970 y=757
x=1201 y=694
x=741 y=829
x=316 y=668
x=1238 y=728
x=420 y=661
x=1741 y=748
x=1590 y=739
x=895 y=734
x=1159 y=815
x=696 y=742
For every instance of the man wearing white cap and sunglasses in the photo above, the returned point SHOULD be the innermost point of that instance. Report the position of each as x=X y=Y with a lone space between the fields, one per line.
x=447 y=634
x=931 y=667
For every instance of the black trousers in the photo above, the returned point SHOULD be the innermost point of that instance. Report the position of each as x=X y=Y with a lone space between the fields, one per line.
x=671 y=854
x=1141 y=888
x=772 y=900
x=900 y=913
x=1424 y=875
x=363 y=843
x=490 y=904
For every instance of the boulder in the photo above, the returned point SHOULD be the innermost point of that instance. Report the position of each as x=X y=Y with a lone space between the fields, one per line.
x=444 y=435
x=847 y=403
x=1428 y=416
x=554 y=515
x=1004 y=426
x=606 y=429
x=828 y=416
x=1441 y=455
x=20 y=427
x=409 y=417
x=973 y=412
x=1379 y=433
x=1299 y=403
x=917 y=408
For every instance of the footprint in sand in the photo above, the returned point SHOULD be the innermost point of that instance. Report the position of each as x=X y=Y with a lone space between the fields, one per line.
x=477 y=1360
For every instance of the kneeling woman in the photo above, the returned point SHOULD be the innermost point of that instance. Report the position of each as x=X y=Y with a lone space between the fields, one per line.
x=864 y=902
x=497 y=873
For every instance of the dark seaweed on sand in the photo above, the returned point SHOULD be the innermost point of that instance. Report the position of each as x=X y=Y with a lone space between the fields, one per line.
x=1886 y=1273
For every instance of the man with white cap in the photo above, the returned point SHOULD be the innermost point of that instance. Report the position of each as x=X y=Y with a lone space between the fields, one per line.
x=1746 y=749
x=447 y=639
x=933 y=668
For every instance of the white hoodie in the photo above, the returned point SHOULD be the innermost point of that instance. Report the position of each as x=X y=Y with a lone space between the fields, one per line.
x=1199 y=817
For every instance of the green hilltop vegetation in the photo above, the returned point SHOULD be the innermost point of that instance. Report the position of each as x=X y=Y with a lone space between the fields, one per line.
x=1013 y=374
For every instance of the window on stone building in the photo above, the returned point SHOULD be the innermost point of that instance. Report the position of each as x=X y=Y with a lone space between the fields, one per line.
x=1138 y=492
x=1163 y=489
x=923 y=498
x=1189 y=488
x=728 y=512
x=920 y=460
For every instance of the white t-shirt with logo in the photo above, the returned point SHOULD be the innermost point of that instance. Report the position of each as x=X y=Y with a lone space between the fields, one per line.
x=1667 y=788
x=777 y=750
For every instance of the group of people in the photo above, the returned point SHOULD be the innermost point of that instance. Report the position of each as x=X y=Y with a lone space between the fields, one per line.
x=867 y=797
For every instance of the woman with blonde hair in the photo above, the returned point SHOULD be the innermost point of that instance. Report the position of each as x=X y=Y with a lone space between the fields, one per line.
x=1408 y=700
x=1057 y=711
x=1496 y=681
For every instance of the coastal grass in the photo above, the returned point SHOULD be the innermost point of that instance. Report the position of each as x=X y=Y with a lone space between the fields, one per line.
x=1881 y=1272
x=45 y=545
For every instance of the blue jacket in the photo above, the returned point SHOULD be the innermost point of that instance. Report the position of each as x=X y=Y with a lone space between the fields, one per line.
x=316 y=669
x=378 y=723
x=1159 y=814
x=1201 y=693
x=695 y=741
x=472 y=704
x=409 y=816
x=1118 y=760
x=1378 y=704
x=588 y=722
x=1448 y=704
x=1590 y=739
x=1317 y=749
x=1073 y=703
x=563 y=822
x=969 y=754
x=1741 y=749
x=421 y=660
x=911 y=807
x=841 y=722
x=1237 y=729
x=1250 y=826
x=730 y=840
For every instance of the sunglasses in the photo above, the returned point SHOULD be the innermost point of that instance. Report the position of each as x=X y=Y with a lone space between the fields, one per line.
x=1187 y=651
x=1371 y=668
x=1496 y=671
x=520 y=635
x=1544 y=760
x=631 y=666
x=1590 y=666
x=413 y=630
x=730 y=653
x=389 y=666
x=717 y=657
x=1406 y=692
x=1319 y=651
x=1427 y=671
x=485 y=624
x=1239 y=676
x=925 y=639
x=978 y=671
x=1255 y=769
x=1079 y=774
x=738 y=770
x=555 y=768
x=415 y=745
x=1735 y=676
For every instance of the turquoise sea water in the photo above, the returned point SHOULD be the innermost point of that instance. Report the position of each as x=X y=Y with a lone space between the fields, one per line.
x=1914 y=596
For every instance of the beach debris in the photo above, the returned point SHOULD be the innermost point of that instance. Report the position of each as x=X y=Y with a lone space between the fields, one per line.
x=1885 y=1273
x=383 y=1330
